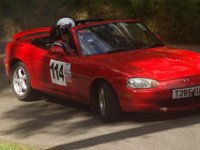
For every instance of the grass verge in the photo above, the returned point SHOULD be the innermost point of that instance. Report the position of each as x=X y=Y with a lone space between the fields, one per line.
x=4 y=145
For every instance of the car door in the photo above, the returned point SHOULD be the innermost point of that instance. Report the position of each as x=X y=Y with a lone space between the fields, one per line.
x=60 y=72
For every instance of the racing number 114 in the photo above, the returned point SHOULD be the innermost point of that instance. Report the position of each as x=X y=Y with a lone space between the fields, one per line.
x=57 y=72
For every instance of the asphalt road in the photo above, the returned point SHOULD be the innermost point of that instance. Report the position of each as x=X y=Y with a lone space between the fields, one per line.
x=56 y=124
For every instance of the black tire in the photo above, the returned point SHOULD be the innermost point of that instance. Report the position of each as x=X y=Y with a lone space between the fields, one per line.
x=26 y=94
x=111 y=111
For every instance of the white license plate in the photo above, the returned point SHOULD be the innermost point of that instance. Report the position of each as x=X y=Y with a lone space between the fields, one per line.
x=186 y=92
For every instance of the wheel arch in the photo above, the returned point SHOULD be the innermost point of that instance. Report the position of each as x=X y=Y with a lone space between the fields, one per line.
x=30 y=94
x=12 y=64
x=94 y=89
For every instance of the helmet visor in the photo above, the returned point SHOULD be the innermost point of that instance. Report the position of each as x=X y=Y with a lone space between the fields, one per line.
x=64 y=28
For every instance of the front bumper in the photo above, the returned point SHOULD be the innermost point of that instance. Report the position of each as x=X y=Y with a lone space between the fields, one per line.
x=159 y=99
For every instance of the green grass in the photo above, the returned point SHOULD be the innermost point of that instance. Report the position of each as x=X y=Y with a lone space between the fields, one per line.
x=13 y=146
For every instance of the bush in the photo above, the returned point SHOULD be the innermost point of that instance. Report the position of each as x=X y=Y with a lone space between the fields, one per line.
x=178 y=21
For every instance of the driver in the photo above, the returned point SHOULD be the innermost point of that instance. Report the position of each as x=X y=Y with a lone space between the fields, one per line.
x=62 y=34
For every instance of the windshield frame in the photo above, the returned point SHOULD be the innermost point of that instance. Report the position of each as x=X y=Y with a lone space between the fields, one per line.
x=115 y=22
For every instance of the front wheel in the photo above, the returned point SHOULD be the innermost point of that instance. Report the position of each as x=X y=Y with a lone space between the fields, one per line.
x=108 y=103
x=20 y=82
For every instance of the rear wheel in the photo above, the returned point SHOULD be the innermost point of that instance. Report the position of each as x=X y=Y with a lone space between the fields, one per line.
x=20 y=82
x=108 y=103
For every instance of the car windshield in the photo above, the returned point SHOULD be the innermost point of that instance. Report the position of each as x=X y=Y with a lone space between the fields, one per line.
x=115 y=37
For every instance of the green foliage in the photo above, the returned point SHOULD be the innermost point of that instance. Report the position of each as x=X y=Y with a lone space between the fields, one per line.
x=175 y=20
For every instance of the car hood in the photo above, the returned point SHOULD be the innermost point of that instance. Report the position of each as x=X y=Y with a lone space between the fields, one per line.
x=162 y=63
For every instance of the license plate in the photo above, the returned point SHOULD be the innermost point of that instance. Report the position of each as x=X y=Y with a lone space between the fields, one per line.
x=186 y=92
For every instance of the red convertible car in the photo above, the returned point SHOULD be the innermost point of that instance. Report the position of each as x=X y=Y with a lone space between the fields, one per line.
x=117 y=66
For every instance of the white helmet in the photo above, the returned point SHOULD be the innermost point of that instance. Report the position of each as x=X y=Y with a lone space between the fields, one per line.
x=65 y=23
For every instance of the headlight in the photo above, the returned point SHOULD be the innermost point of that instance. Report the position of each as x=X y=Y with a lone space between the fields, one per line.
x=141 y=83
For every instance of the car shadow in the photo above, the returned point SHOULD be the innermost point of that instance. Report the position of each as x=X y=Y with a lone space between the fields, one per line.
x=145 y=130
x=132 y=116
